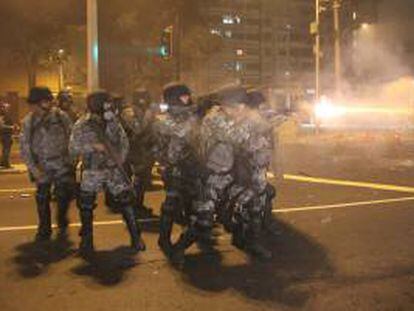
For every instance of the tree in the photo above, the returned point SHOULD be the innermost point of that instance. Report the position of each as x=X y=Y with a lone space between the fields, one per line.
x=31 y=30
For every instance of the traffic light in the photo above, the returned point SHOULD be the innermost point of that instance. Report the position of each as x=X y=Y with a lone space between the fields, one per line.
x=167 y=41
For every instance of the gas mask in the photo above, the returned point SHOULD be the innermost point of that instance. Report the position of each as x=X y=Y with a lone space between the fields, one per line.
x=109 y=111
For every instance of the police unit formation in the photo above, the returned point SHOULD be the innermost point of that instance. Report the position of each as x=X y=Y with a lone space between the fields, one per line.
x=213 y=153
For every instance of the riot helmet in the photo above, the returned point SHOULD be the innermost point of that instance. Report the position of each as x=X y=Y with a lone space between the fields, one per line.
x=39 y=94
x=255 y=99
x=64 y=99
x=98 y=102
x=174 y=94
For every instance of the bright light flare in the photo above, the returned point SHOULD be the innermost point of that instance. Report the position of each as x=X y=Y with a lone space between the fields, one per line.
x=325 y=109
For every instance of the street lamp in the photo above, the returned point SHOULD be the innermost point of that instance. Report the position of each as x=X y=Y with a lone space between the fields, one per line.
x=60 y=61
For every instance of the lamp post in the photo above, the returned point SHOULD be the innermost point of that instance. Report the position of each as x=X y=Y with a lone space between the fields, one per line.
x=60 y=56
x=92 y=45
x=338 y=73
x=317 y=50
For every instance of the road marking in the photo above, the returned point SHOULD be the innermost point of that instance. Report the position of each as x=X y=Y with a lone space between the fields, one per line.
x=75 y=225
x=337 y=182
x=17 y=190
x=276 y=211
x=341 y=205
x=349 y=183
x=20 y=190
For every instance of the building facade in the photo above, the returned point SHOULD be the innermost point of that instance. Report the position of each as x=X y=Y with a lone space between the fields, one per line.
x=266 y=42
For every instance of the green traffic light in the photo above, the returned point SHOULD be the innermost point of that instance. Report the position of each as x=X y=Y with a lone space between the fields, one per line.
x=164 y=51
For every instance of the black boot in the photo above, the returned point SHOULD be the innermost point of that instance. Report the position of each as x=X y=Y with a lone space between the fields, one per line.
x=86 y=247
x=62 y=216
x=185 y=241
x=137 y=244
x=44 y=230
x=141 y=210
x=269 y=223
x=238 y=236
x=253 y=243
x=164 y=239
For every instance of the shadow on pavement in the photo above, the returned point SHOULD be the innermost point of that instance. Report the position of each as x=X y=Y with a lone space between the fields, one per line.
x=107 y=268
x=34 y=258
x=297 y=260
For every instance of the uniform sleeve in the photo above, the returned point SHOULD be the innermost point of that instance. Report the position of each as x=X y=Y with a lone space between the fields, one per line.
x=67 y=122
x=160 y=142
x=117 y=137
x=25 y=145
x=78 y=143
x=124 y=144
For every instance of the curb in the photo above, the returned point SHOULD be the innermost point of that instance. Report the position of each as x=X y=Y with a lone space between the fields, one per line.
x=16 y=169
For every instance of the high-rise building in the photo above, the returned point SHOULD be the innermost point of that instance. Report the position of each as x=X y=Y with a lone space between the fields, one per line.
x=246 y=30
x=265 y=42
x=293 y=43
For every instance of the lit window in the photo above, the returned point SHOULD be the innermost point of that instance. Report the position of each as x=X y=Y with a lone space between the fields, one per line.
x=228 y=34
x=231 y=19
x=227 y=19
x=215 y=32
x=239 y=52
x=238 y=66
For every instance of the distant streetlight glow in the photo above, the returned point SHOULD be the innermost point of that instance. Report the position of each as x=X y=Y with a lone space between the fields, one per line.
x=365 y=25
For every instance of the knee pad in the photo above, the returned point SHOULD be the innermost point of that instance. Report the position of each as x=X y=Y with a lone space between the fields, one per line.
x=43 y=193
x=86 y=200
x=204 y=214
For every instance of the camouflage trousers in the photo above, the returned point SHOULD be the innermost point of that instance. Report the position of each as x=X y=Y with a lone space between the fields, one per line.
x=109 y=179
x=62 y=182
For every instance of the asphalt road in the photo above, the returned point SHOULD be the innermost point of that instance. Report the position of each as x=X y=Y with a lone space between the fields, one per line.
x=341 y=245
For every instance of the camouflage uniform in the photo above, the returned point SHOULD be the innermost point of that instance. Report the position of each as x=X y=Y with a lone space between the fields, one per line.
x=44 y=148
x=235 y=155
x=269 y=119
x=65 y=103
x=102 y=170
x=253 y=194
x=6 y=135
x=140 y=158
x=175 y=152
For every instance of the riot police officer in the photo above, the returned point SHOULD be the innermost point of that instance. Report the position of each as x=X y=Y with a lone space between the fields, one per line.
x=137 y=119
x=175 y=151
x=7 y=128
x=65 y=103
x=44 y=148
x=99 y=140
x=234 y=181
